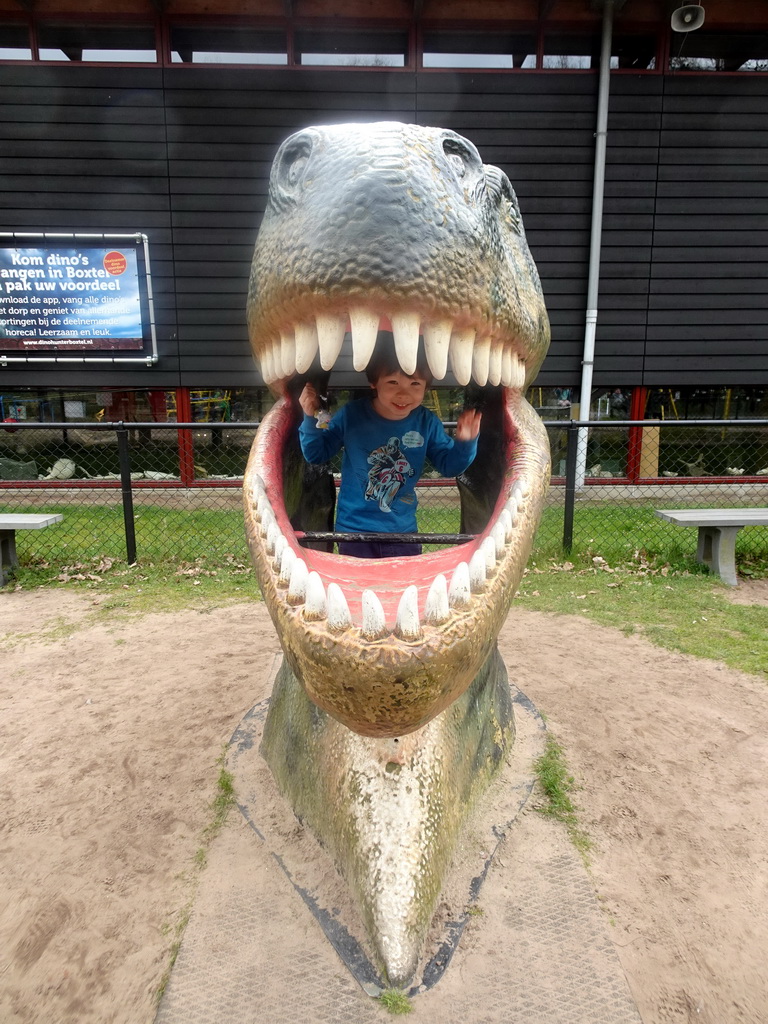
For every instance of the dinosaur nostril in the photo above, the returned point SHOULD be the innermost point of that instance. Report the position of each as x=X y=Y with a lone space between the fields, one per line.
x=462 y=157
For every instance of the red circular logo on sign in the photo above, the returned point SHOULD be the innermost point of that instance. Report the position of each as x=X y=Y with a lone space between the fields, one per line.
x=115 y=263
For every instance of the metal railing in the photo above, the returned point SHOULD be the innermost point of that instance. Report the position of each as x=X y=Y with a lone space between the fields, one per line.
x=171 y=491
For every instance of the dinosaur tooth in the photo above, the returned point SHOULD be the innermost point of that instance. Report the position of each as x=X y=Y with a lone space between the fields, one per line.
x=459 y=590
x=267 y=520
x=374 y=623
x=263 y=505
x=330 y=338
x=437 y=338
x=306 y=346
x=276 y=360
x=481 y=355
x=315 y=601
x=488 y=548
x=436 y=608
x=507 y=371
x=272 y=534
x=405 y=329
x=364 y=324
x=407 y=625
x=297 y=587
x=287 y=352
x=257 y=487
x=518 y=372
x=477 y=573
x=339 y=617
x=265 y=364
x=499 y=536
x=462 y=344
x=287 y=560
x=505 y=520
x=512 y=508
x=494 y=363
x=277 y=556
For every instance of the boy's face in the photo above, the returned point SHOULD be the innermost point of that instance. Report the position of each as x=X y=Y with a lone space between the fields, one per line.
x=397 y=395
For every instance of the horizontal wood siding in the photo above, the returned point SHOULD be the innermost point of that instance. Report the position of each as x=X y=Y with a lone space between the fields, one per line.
x=184 y=154
x=632 y=154
x=84 y=149
x=708 y=303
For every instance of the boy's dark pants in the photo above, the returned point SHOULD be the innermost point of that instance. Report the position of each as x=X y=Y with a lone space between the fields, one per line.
x=377 y=549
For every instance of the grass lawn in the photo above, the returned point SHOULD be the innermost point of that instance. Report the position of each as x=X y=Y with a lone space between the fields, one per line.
x=682 y=610
x=628 y=569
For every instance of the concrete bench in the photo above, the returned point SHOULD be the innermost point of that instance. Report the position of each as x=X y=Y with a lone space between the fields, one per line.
x=10 y=522
x=717 y=534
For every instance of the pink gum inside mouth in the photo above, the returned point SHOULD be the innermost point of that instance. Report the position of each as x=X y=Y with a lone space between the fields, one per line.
x=387 y=577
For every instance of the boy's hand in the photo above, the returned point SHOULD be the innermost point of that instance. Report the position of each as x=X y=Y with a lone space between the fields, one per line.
x=468 y=425
x=309 y=401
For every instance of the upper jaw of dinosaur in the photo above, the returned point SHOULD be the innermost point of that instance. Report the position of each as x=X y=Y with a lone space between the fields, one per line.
x=484 y=355
x=386 y=645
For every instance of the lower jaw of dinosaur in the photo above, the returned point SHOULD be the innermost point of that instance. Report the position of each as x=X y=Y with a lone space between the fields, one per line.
x=386 y=645
x=389 y=811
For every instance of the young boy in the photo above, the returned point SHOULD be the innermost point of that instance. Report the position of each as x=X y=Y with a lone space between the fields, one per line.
x=386 y=439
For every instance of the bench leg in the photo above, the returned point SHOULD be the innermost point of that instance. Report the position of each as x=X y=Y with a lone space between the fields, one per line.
x=724 y=553
x=704 y=550
x=8 y=557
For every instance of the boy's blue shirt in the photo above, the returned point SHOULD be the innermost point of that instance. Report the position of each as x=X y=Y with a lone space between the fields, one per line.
x=382 y=463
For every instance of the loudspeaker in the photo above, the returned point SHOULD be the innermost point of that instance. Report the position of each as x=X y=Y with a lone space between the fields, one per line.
x=687 y=18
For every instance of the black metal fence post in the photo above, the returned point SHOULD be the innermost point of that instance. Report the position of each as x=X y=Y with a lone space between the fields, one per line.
x=127 y=491
x=571 y=457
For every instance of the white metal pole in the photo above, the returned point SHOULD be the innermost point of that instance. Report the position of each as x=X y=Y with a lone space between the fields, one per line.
x=593 y=283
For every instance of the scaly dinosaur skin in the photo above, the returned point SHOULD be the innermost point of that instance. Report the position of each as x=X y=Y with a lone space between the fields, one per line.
x=395 y=227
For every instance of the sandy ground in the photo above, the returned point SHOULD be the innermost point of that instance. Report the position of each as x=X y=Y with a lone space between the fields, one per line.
x=109 y=737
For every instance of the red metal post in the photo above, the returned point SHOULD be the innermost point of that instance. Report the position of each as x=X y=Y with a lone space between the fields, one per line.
x=186 y=443
x=635 y=439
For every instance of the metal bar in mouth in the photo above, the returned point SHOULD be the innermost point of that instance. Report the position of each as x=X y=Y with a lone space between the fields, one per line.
x=388 y=538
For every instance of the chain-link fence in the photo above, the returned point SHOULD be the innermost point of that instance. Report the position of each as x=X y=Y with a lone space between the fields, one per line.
x=172 y=492
x=609 y=478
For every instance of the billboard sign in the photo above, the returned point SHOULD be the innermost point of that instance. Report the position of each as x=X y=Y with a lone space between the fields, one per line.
x=70 y=298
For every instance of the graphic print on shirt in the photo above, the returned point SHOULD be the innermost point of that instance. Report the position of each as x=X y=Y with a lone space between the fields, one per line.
x=388 y=472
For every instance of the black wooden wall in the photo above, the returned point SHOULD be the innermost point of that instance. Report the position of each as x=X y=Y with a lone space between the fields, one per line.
x=184 y=154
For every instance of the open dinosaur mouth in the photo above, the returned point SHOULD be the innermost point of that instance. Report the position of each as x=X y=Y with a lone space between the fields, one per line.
x=399 y=228
x=385 y=645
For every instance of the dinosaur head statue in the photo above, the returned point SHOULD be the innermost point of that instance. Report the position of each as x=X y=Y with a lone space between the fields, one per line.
x=401 y=228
